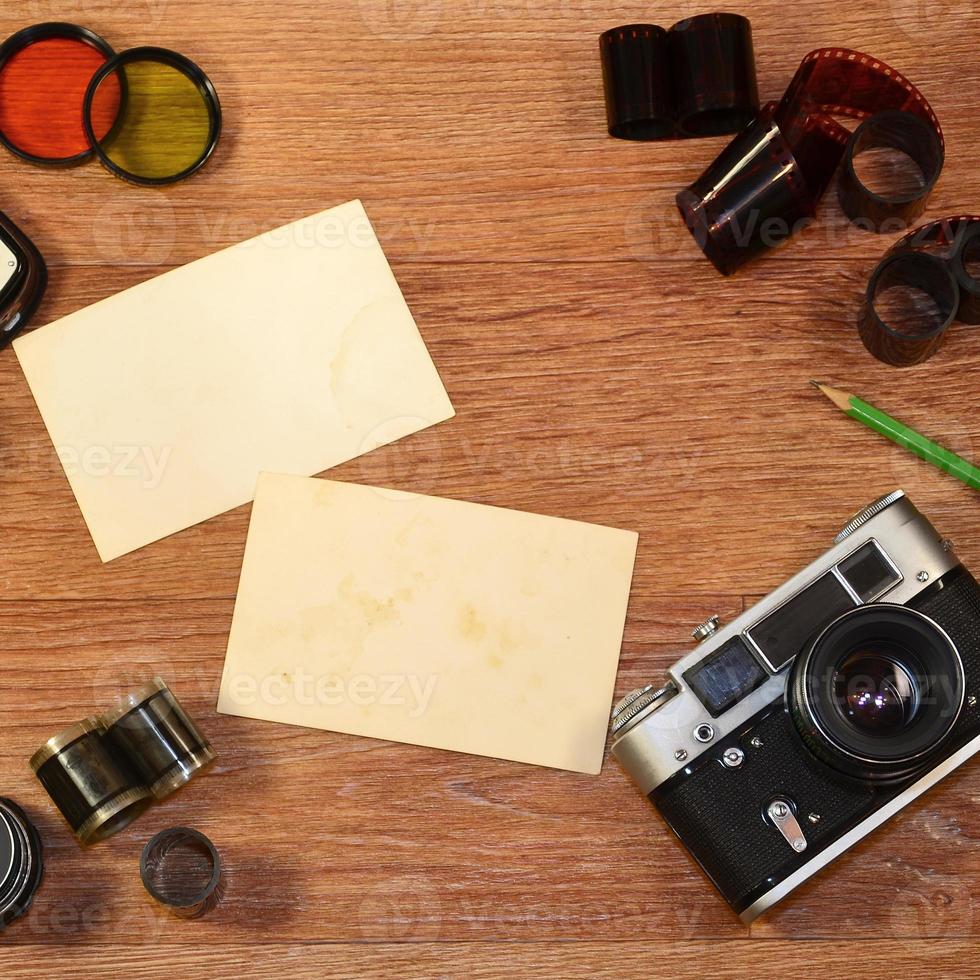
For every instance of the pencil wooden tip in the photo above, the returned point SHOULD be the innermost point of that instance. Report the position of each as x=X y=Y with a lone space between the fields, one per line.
x=841 y=399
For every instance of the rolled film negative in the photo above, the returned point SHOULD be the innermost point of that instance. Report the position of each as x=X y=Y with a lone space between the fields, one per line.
x=45 y=71
x=902 y=344
x=712 y=64
x=938 y=259
x=957 y=240
x=750 y=199
x=150 y=729
x=168 y=123
x=696 y=79
x=966 y=264
x=767 y=183
x=21 y=862
x=919 y=142
x=181 y=869
x=636 y=81
x=97 y=793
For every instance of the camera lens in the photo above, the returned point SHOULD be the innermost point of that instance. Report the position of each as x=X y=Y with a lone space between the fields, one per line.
x=876 y=694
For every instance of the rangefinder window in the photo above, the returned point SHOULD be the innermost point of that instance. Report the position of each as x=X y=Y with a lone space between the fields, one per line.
x=725 y=677
x=782 y=634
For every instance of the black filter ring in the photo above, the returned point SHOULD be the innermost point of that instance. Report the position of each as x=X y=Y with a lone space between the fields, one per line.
x=155 y=853
x=41 y=32
x=920 y=270
x=174 y=60
x=20 y=881
x=898 y=130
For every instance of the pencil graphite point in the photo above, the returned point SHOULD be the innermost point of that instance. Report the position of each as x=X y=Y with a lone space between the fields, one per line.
x=817 y=384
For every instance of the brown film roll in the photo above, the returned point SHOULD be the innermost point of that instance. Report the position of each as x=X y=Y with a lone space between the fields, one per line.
x=760 y=191
x=938 y=258
x=912 y=270
x=898 y=130
x=956 y=239
x=696 y=79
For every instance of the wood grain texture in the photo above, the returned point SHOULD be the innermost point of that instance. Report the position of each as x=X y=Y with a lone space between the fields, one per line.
x=602 y=371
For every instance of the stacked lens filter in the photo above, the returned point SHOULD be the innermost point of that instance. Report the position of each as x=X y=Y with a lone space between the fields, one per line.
x=103 y=772
x=21 y=865
x=150 y=115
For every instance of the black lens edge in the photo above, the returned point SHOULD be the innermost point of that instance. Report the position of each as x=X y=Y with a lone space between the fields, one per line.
x=30 y=871
x=832 y=741
x=24 y=38
x=187 y=68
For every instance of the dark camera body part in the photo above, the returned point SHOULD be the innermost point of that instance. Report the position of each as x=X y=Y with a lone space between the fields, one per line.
x=793 y=732
x=21 y=862
x=23 y=278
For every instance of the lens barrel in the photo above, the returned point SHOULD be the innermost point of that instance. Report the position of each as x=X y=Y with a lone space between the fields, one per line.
x=877 y=692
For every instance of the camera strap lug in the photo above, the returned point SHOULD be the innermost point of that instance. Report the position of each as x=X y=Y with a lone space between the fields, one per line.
x=781 y=813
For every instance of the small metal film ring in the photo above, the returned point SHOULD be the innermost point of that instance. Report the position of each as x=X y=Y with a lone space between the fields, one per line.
x=161 y=882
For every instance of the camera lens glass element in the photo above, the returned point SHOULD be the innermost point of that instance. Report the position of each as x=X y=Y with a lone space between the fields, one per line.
x=875 y=692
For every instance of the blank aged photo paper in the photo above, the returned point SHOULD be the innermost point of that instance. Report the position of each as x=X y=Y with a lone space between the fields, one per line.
x=294 y=352
x=431 y=621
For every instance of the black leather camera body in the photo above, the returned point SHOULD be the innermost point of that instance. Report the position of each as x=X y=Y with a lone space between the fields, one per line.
x=793 y=732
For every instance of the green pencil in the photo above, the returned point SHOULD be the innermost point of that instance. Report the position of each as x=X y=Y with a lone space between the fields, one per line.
x=901 y=434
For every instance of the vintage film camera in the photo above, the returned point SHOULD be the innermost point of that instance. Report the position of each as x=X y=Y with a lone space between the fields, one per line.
x=791 y=733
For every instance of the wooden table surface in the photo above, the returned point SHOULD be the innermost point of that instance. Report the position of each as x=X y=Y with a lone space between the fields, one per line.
x=602 y=371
